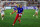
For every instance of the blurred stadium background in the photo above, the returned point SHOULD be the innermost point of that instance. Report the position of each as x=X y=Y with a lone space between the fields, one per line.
x=27 y=4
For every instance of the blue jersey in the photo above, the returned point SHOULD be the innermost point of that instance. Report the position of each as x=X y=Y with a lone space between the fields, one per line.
x=36 y=8
x=20 y=10
x=15 y=7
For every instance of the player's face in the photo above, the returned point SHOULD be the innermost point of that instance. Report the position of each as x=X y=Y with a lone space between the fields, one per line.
x=20 y=6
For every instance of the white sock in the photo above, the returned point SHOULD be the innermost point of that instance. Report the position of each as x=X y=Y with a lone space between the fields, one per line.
x=2 y=18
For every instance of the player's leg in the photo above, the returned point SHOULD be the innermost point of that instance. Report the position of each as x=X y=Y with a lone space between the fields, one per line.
x=36 y=14
x=2 y=16
x=19 y=18
x=12 y=12
x=15 y=19
x=16 y=11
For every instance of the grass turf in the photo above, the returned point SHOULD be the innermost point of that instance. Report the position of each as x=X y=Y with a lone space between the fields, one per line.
x=27 y=20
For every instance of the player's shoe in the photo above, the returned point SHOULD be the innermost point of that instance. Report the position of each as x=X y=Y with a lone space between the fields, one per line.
x=10 y=13
x=20 y=21
x=13 y=24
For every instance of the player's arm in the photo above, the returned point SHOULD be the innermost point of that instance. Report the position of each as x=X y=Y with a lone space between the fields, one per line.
x=16 y=8
x=23 y=11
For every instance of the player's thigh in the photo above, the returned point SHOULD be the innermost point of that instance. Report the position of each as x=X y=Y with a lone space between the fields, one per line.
x=36 y=12
x=17 y=15
x=2 y=14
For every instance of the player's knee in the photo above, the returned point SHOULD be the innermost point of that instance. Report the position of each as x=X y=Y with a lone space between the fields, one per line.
x=2 y=15
x=36 y=13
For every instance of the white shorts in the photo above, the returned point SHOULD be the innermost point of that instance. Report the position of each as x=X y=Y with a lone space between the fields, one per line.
x=2 y=13
x=20 y=14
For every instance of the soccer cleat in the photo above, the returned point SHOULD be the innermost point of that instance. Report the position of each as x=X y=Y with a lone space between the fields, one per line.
x=13 y=24
x=20 y=21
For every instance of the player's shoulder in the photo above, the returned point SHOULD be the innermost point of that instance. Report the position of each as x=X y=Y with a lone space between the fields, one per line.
x=21 y=8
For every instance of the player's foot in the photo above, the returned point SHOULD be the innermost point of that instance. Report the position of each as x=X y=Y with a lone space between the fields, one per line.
x=20 y=21
x=10 y=13
x=13 y=24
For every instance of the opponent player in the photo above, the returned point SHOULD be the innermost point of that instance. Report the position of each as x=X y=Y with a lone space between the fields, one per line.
x=2 y=12
x=14 y=9
x=36 y=12
x=1 y=9
x=19 y=14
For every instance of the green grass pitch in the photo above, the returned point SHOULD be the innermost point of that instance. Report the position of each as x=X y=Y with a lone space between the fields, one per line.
x=27 y=20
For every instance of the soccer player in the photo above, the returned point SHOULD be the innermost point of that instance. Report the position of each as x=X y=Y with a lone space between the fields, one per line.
x=19 y=14
x=36 y=12
x=2 y=12
x=1 y=9
x=14 y=9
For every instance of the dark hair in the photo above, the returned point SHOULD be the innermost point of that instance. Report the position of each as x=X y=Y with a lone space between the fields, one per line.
x=38 y=6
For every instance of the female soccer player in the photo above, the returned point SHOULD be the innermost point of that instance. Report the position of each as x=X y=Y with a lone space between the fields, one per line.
x=2 y=12
x=14 y=9
x=19 y=14
x=36 y=12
